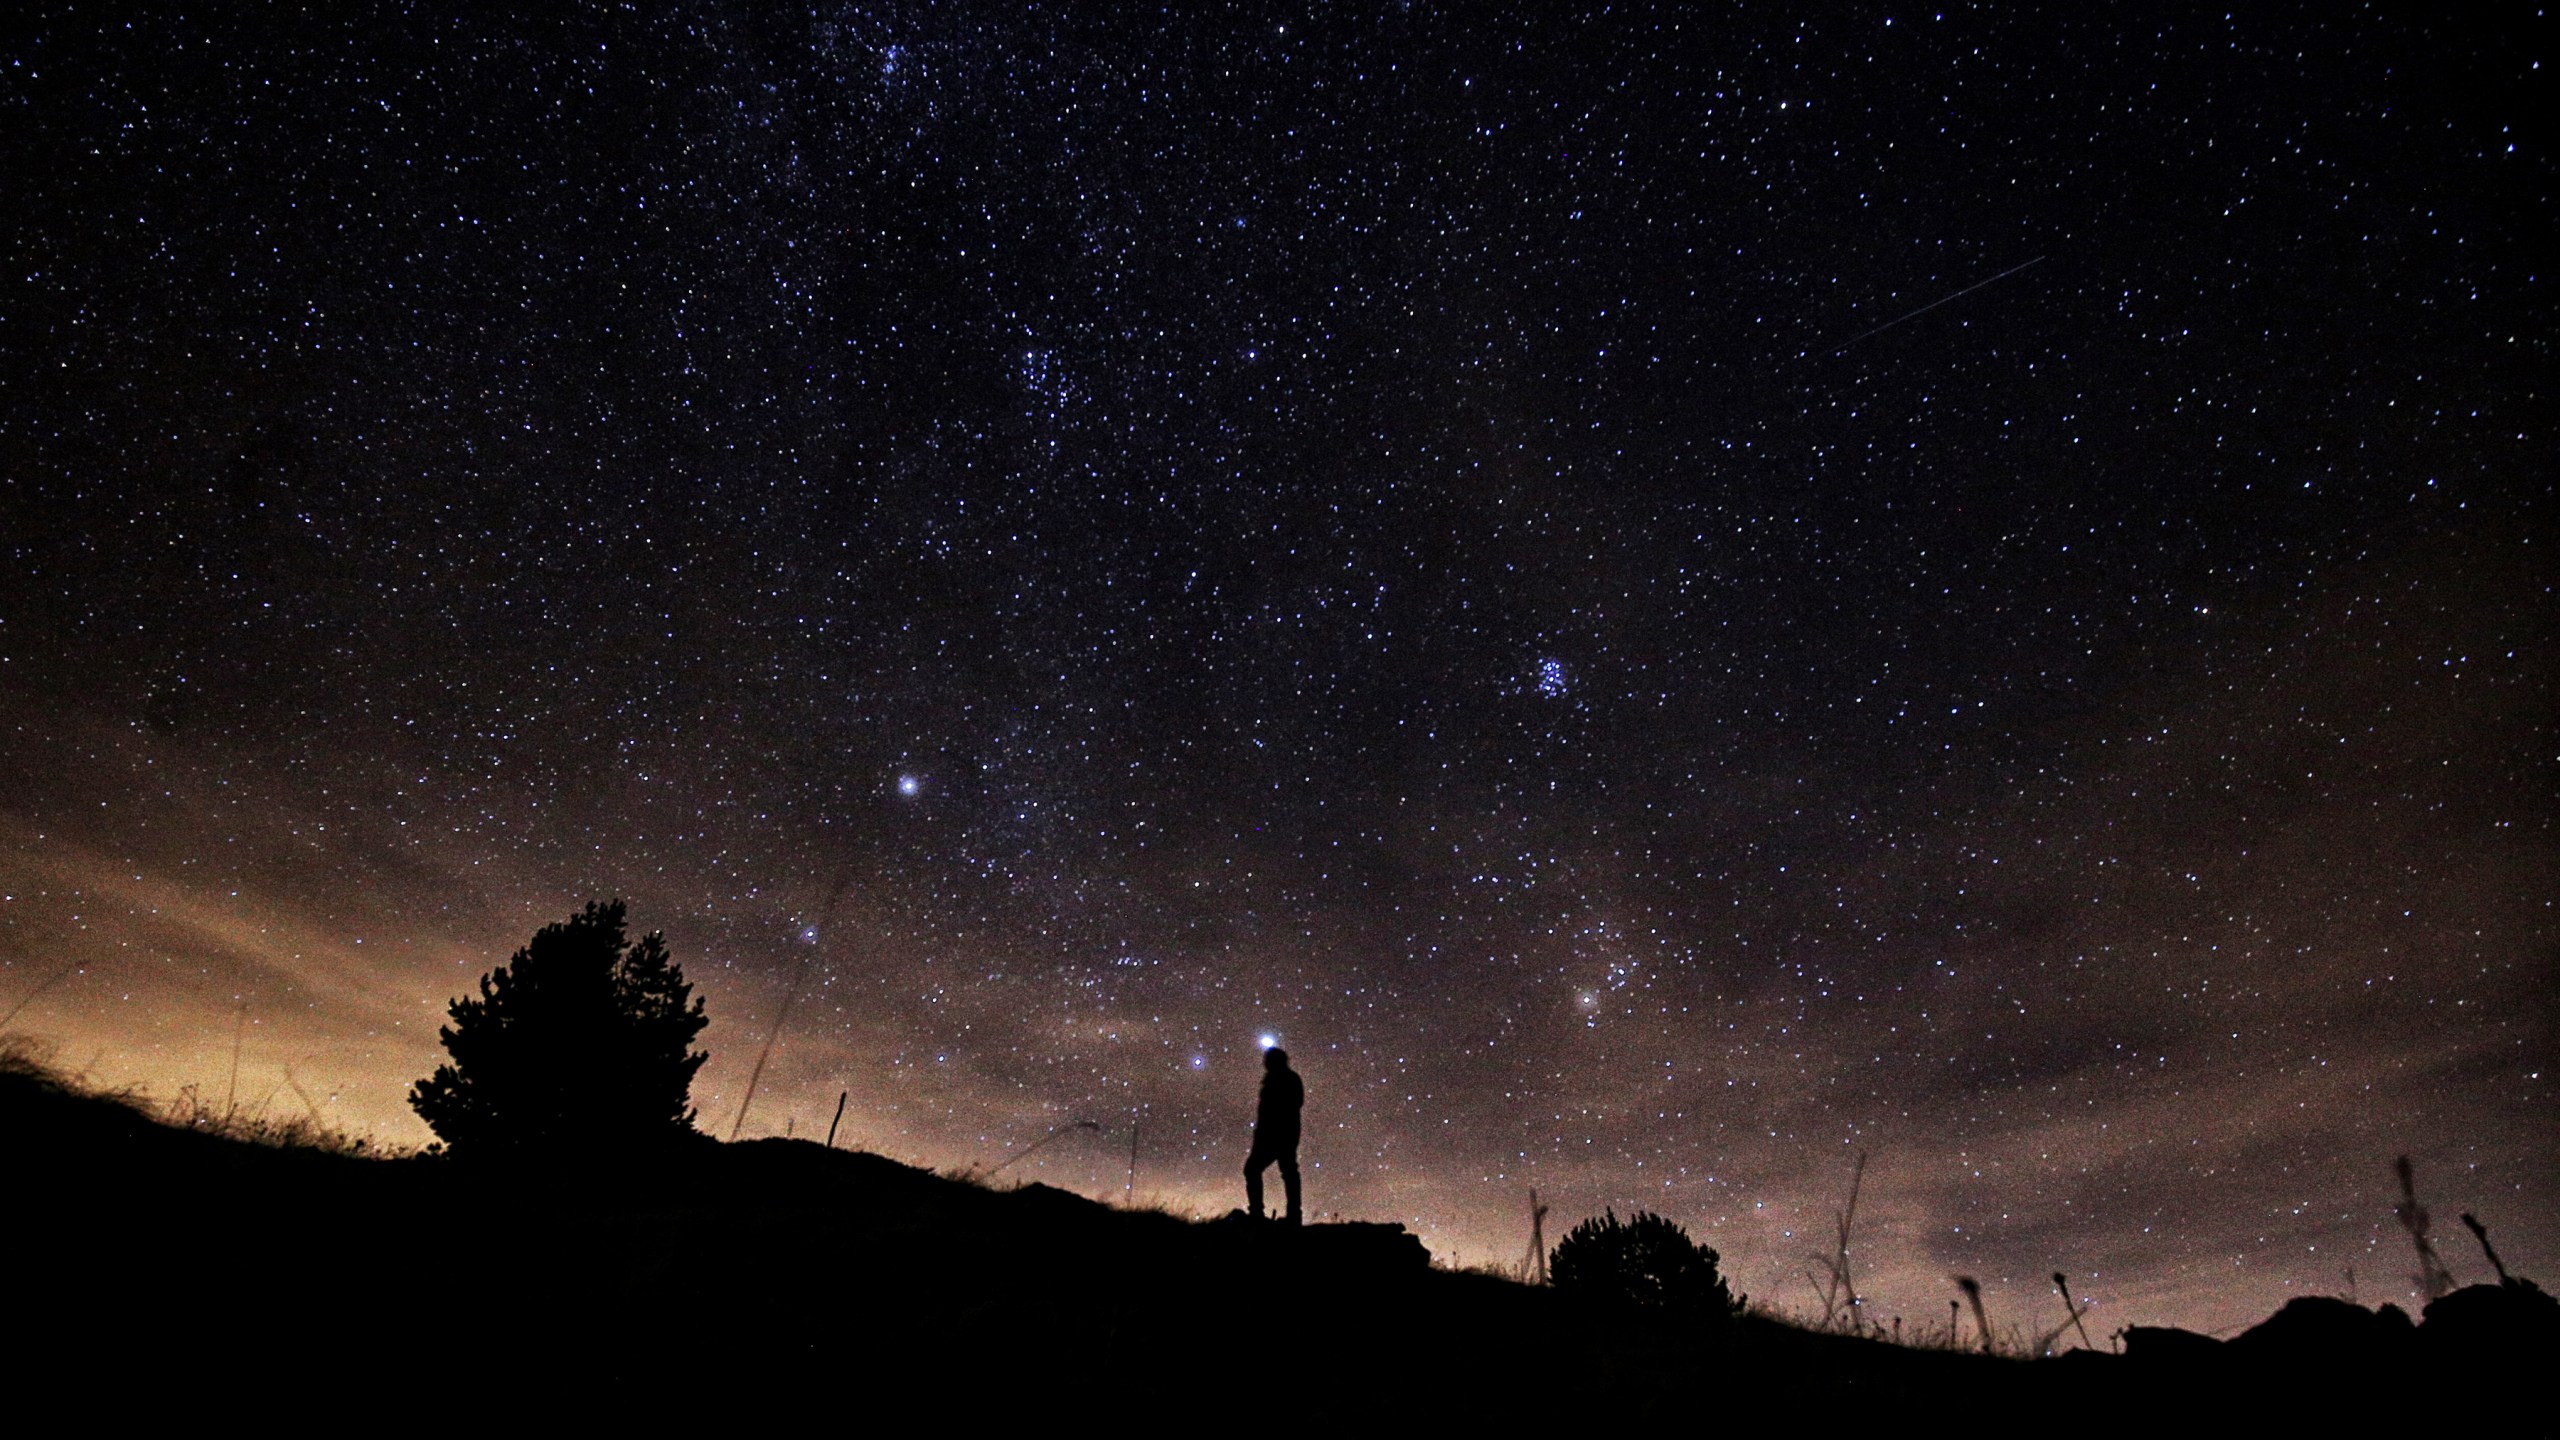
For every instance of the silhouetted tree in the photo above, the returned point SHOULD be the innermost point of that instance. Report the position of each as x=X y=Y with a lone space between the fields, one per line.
x=1647 y=1261
x=578 y=1044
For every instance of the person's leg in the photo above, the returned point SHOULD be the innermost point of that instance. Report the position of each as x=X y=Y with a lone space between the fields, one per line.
x=1288 y=1183
x=1254 y=1164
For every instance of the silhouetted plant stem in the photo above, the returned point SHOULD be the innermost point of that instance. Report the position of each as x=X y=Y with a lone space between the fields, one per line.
x=832 y=1124
x=2480 y=1233
x=231 y=1091
x=1535 y=1271
x=1972 y=1289
x=756 y=1076
x=825 y=916
x=2073 y=1308
x=2434 y=1280
x=1839 y=1295
x=30 y=997
x=304 y=1095
x=1054 y=1132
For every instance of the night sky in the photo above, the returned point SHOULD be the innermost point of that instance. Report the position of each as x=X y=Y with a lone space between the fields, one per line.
x=1665 y=595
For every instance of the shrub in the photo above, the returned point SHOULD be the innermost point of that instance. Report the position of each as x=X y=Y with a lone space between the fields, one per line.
x=1645 y=1261
x=578 y=1044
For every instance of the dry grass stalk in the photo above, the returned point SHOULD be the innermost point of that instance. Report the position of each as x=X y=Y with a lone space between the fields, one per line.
x=1972 y=1289
x=1055 y=1131
x=2433 y=1280
x=2074 y=1307
x=826 y=916
x=47 y=983
x=189 y=1110
x=30 y=1060
x=756 y=1076
x=239 y=1031
x=1533 y=1269
x=1841 y=1305
x=2480 y=1233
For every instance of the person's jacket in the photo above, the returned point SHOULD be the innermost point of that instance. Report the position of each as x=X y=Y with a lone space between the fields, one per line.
x=1275 y=1120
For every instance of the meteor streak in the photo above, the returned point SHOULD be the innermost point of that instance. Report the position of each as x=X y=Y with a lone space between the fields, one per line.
x=1934 y=304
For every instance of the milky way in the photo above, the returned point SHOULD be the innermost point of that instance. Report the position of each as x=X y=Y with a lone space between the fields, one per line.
x=1514 y=552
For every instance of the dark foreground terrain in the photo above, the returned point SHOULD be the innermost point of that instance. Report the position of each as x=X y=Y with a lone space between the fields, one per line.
x=155 y=1269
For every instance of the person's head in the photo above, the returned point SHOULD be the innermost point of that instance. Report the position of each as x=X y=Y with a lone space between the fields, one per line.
x=1275 y=1058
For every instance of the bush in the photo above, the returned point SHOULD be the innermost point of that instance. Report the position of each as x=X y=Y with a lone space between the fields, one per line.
x=578 y=1045
x=1646 y=1261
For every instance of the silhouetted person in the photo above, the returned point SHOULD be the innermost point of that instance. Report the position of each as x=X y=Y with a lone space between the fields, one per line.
x=1275 y=1132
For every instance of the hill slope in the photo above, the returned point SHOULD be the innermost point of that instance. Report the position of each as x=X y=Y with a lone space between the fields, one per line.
x=779 y=1278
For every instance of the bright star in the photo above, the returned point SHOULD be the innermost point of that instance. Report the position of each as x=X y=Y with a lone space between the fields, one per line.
x=909 y=785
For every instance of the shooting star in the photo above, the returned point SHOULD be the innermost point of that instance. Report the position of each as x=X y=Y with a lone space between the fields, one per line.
x=1934 y=304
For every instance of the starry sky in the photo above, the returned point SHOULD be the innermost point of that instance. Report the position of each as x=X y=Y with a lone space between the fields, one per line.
x=1666 y=595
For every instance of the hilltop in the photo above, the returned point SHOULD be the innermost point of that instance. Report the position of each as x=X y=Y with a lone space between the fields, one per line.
x=779 y=1277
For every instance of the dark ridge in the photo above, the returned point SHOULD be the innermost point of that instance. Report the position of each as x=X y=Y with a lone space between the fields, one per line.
x=157 y=1267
